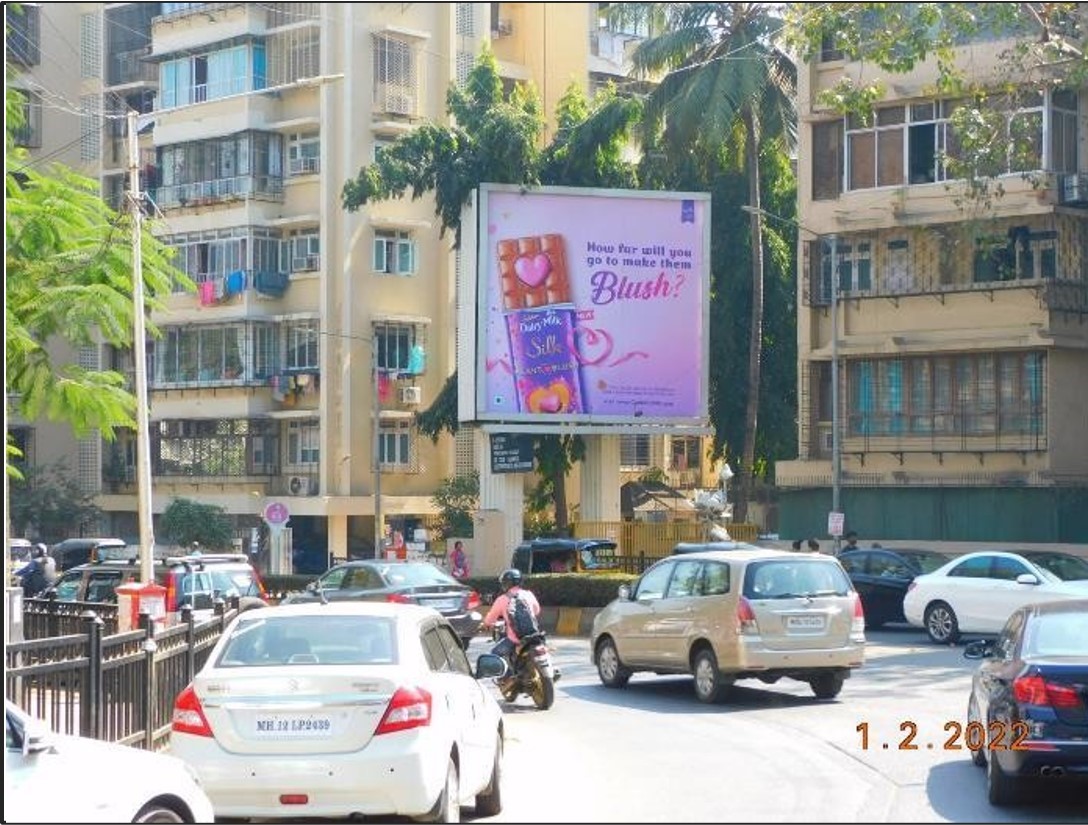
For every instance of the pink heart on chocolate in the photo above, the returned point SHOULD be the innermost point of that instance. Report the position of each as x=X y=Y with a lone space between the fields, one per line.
x=533 y=271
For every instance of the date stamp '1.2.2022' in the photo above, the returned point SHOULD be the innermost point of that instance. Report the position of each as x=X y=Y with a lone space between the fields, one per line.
x=975 y=736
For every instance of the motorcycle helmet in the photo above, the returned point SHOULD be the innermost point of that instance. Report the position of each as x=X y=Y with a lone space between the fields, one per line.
x=510 y=578
x=40 y=551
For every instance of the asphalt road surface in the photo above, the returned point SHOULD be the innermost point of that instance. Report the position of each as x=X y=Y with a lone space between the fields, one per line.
x=770 y=753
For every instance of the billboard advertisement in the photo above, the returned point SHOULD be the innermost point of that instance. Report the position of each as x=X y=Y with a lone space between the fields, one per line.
x=592 y=306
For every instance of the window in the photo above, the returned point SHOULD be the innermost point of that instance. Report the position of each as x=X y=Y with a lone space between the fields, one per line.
x=1063 y=131
x=716 y=579
x=854 y=262
x=635 y=450
x=1020 y=253
x=29 y=135
x=303 y=442
x=214 y=447
x=686 y=581
x=394 y=76
x=394 y=253
x=829 y=51
x=1007 y=569
x=686 y=452
x=303 y=153
x=380 y=145
x=303 y=248
x=653 y=582
x=24 y=37
x=301 y=342
x=246 y=164
x=203 y=354
x=218 y=74
x=395 y=442
x=395 y=343
x=827 y=155
x=1000 y=394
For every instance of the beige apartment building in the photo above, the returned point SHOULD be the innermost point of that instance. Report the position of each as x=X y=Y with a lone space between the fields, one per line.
x=263 y=385
x=958 y=329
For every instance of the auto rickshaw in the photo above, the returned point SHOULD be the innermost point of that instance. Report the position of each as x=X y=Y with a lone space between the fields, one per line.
x=558 y=555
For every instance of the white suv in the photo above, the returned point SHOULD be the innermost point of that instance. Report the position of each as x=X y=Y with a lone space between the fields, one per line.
x=738 y=614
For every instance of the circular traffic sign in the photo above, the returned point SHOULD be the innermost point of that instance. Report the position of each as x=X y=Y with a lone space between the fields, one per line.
x=276 y=513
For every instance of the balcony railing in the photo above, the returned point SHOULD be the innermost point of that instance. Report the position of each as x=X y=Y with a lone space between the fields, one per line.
x=210 y=191
x=132 y=67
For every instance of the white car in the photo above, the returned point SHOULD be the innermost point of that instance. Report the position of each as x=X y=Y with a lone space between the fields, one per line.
x=977 y=592
x=330 y=710
x=49 y=777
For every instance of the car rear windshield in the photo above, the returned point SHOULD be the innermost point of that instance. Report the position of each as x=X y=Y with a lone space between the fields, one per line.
x=310 y=640
x=409 y=574
x=793 y=578
x=1056 y=634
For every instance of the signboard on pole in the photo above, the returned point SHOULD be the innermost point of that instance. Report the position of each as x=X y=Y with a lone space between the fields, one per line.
x=511 y=453
x=276 y=515
x=835 y=523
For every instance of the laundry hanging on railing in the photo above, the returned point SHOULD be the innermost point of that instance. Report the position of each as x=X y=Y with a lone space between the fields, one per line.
x=417 y=360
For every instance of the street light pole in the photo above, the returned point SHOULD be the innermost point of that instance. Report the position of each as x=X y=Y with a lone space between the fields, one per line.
x=379 y=532
x=139 y=354
x=836 y=444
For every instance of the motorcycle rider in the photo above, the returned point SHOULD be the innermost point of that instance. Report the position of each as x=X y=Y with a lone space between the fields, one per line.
x=510 y=582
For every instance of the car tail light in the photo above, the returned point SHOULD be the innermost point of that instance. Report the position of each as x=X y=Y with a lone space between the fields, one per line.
x=399 y=598
x=189 y=715
x=473 y=601
x=857 y=626
x=1035 y=690
x=262 y=591
x=746 y=617
x=409 y=708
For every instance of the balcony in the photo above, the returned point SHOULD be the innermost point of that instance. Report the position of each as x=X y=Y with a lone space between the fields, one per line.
x=203 y=193
x=132 y=67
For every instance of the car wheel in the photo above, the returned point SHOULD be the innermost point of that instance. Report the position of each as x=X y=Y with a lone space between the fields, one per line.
x=978 y=756
x=489 y=803
x=1001 y=788
x=448 y=806
x=826 y=685
x=709 y=683
x=941 y=624
x=609 y=667
x=153 y=812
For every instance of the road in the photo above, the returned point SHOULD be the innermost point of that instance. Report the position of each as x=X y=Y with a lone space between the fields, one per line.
x=770 y=753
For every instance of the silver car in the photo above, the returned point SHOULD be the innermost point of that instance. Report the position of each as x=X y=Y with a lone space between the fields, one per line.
x=738 y=614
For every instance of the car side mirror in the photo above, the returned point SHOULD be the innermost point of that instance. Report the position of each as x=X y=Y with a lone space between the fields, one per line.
x=624 y=592
x=980 y=649
x=1027 y=578
x=490 y=666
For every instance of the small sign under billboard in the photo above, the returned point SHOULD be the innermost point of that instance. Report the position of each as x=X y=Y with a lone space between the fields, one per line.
x=835 y=523
x=511 y=453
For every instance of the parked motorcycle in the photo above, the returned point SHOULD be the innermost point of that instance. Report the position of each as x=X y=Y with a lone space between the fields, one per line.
x=533 y=674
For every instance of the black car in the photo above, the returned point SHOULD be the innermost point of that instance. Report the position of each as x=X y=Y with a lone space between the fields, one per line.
x=1032 y=692
x=195 y=580
x=1065 y=566
x=409 y=582
x=882 y=575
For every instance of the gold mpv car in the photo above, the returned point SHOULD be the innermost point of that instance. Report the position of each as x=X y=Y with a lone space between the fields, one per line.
x=734 y=614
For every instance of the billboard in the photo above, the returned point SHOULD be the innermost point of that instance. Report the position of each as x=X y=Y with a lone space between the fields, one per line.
x=592 y=306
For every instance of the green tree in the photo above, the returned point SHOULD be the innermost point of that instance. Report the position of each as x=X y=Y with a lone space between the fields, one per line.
x=186 y=521
x=49 y=503
x=494 y=137
x=726 y=85
x=457 y=499
x=68 y=278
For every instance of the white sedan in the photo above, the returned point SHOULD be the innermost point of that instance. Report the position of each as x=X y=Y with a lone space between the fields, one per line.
x=49 y=777
x=977 y=592
x=330 y=710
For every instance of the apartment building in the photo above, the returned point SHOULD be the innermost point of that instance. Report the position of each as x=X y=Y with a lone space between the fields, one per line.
x=957 y=326
x=309 y=324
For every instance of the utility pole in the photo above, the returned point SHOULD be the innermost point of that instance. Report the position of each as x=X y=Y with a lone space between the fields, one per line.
x=836 y=444
x=139 y=354
x=379 y=533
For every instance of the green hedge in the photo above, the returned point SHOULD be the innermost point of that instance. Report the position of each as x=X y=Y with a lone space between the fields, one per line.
x=551 y=589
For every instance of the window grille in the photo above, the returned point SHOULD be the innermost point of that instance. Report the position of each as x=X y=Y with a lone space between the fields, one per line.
x=635 y=450
x=464 y=66
x=90 y=45
x=464 y=452
x=395 y=81
x=466 y=20
x=90 y=127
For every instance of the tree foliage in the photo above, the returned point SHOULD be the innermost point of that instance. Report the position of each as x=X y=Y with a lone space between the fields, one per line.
x=49 y=503
x=68 y=279
x=457 y=499
x=186 y=521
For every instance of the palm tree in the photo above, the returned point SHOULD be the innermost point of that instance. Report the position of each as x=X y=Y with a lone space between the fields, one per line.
x=724 y=84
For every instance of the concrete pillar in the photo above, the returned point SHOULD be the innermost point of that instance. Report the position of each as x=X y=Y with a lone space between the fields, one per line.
x=502 y=492
x=600 y=483
x=338 y=539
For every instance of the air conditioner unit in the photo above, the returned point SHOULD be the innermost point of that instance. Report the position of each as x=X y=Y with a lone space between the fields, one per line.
x=411 y=395
x=1074 y=189
x=307 y=263
x=302 y=486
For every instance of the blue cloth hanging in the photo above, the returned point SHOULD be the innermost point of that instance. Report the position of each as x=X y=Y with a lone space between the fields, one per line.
x=417 y=360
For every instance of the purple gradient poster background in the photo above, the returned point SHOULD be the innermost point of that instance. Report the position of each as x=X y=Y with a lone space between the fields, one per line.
x=637 y=280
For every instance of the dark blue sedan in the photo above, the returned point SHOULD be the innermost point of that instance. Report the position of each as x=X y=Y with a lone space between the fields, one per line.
x=1028 y=711
x=882 y=575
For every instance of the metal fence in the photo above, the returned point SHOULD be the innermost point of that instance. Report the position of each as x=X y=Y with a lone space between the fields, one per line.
x=119 y=687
